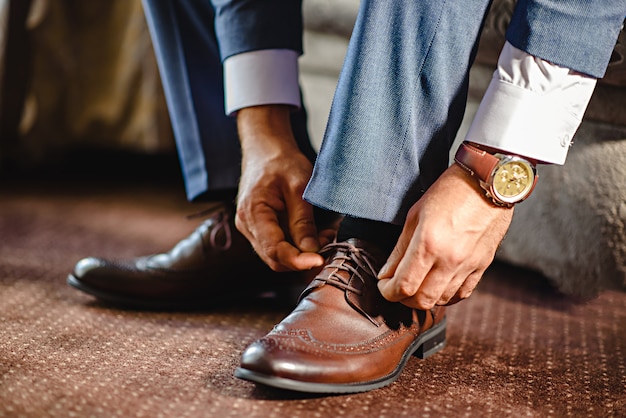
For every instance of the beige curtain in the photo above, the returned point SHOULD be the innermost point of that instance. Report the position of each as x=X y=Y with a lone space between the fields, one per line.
x=92 y=80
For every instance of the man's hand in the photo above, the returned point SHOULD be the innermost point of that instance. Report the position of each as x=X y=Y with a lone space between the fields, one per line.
x=449 y=239
x=271 y=213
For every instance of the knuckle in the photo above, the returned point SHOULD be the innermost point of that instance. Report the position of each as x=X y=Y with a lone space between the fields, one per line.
x=239 y=221
x=425 y=304
x=406 y=289
x=241 y=216
x=448 y=255
x=465 y=293
x=270 y=252
x=456 y=256
x=427 y=300
x=243 y=226
x=433 y=243
x=303 y=222
x=444 y=299
x=414 y=211
x=269 y=256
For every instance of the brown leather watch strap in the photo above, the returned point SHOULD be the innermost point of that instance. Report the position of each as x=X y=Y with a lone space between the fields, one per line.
x=478 y=162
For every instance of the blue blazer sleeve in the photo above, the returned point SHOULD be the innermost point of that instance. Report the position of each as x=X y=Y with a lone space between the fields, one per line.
x=249 y=25
x=576 y=34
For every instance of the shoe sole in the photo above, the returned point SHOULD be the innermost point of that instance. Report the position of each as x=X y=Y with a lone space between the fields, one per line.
x=131 y=302
x=427 y=344
x=288 y=293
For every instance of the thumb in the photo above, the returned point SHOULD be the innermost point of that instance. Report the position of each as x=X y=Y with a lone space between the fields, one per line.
x=390 y=267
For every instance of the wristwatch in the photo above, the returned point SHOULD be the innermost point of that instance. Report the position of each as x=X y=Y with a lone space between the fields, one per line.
x=506 y=179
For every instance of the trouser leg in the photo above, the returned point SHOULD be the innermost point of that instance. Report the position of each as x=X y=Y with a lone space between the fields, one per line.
x=187 y=53
x=398 y=105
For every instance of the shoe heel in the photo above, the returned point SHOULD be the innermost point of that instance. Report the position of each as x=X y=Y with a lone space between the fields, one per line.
x=433 y=343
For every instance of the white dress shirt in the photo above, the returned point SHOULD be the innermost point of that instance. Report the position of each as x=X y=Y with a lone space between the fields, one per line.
x=531 y=107
x=267 y=76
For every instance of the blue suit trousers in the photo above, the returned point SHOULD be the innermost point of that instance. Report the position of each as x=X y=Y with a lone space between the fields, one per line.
x=188 y=55
x=400 y=97
x=402 y=91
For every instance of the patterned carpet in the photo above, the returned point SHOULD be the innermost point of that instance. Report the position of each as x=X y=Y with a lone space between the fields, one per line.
x=515 y=348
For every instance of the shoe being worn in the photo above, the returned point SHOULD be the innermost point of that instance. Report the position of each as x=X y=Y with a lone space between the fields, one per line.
x=343 y=336
x=212 y=264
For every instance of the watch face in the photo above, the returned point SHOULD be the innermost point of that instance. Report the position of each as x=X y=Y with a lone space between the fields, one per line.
x=513 y=180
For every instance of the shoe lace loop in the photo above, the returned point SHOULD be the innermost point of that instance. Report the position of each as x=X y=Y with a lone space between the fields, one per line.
x=222 y=224
x=350 y=258
x=221 y=221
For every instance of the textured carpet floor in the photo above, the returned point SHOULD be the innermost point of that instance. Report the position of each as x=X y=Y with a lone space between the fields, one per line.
x=515 y=348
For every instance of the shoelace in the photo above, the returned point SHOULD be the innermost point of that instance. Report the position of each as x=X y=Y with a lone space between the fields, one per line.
x=221 y=223
x=344 y=262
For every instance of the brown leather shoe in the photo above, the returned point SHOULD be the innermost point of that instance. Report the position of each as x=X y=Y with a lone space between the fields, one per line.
x=343 y=336
x=214 y=264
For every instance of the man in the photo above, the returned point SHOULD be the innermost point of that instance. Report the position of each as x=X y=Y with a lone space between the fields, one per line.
x=417 y=234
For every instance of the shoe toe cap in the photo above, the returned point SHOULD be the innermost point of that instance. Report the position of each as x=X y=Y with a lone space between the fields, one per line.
x=85 y=267
x=99 y=272
x=291 y=360
x=265 y=357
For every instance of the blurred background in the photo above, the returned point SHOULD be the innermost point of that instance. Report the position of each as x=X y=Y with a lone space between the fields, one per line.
x=82 y=75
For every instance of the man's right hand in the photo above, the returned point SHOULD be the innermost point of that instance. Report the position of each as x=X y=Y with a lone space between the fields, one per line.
x=271 y=213
x=449 y=239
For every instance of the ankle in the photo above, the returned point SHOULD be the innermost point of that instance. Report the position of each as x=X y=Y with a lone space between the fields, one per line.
x=381 y=234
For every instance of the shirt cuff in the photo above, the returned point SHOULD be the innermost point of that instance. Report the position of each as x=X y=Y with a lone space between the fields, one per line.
x=531 y=107
x=268 y=76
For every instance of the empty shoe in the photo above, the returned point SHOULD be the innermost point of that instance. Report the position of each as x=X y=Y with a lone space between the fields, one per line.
x=214 y=264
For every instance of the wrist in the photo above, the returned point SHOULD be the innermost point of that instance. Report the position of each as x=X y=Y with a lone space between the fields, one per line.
x=492 y=150
x=506 y=179
x=468 y=185
x=266 y=126
x=459 y=183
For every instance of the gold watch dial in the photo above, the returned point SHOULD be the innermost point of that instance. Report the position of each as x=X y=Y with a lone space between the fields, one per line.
x=513 y=179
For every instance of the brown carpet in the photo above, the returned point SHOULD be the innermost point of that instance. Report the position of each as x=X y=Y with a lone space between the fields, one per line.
x=515 y=348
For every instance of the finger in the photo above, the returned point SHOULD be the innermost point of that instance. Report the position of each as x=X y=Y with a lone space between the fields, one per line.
x=302 y=223
x=430 y=291
x=386 y=288
x=390 y=267
x=326 y=236
x=400 y=249
x=465 y=290
x=291 y=258
x=405 y=283
x=261 y=227
x=451 y=291
x=406 y=270
x=269 y=241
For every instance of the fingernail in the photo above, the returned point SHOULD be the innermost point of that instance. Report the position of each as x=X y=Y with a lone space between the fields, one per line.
x=309 y=244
